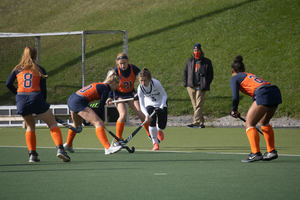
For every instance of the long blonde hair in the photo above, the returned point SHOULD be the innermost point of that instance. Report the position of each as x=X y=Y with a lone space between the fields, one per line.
x=28 y=62
x=112 y=77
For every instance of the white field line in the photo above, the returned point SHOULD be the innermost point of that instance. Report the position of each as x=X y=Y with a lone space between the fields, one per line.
x=152 y=151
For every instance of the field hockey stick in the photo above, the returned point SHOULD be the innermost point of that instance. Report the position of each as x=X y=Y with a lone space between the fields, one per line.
x=121 y=142
x=255 y=127
x=137 y=130
x=65 y=124
x=122 y=100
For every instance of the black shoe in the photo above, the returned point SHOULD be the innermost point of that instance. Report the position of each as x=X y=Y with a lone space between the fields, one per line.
x=33 y=157
x=62 y=154
x=253 y=157
x=195 y=126
x=270 y=155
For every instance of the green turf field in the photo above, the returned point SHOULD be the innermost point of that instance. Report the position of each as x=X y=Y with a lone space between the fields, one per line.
x=191 y=164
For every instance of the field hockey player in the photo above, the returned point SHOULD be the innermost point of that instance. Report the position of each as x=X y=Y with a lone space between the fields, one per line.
x=153 y=97
x=266 y=98
x=78 y=105
x=127 y=72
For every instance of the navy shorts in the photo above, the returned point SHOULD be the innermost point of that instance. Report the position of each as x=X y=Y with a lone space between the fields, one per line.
x=268 y=96
x=33 y=103
x=77 y=103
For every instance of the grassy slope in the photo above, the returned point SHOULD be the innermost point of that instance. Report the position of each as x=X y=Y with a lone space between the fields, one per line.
x=161 y=35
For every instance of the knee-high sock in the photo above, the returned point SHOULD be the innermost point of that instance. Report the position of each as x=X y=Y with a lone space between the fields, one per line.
x=56 y=136
x=30 y=140
x=100 y=132
x=146 y=126
x=253 y=138
x=119 y=129
x=269 y=137
x=153 y=132
x=70 y=138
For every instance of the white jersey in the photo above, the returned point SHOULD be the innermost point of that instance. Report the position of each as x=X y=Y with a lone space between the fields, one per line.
x=152 y=95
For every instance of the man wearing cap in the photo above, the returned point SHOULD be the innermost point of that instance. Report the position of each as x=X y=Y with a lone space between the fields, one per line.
x=197 y=76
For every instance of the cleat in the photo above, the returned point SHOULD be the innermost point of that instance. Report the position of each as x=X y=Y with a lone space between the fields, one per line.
x=253 y=157
x=62 y=154
x=195 y=126
x=160 y=136
x=68 y=148
x=155 y=147
x=33 y=157
x=270 y=155
x=149 y=136
x=113 y=149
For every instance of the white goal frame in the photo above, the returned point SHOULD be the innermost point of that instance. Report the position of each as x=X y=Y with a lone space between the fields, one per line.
x=82 y=33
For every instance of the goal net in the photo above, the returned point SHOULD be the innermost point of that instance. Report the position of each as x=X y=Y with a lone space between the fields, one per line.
x=71 y=59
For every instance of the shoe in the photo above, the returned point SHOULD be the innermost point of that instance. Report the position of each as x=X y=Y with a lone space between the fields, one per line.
x=33 y=157
x=160 y=135
x=113 y=149
x=69 y=149
x=253 y=157
x=155 y=147
x=62 y=154
x=270 y=155
x=195 y=126
x=149 y=136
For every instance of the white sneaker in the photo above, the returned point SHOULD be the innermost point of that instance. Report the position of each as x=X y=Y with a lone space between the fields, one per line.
x=113 y=149
x=69 y=149
x=115 y=143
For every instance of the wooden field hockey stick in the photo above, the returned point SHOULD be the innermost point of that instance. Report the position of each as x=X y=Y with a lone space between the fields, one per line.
x=65 y=124
x=254 y=126
x=137 y=130
x=121 y=142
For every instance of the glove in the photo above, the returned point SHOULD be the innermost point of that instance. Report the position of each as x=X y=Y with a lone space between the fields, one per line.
x=235 y=114
x=158 y=110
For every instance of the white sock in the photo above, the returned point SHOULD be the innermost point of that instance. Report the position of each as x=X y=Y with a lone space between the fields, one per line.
x=153 y=133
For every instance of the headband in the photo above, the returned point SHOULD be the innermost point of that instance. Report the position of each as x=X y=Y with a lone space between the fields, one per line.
x=122 y=57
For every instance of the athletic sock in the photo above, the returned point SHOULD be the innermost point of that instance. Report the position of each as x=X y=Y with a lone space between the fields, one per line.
x=269 y=137
x=119 y=129
x=146 y=126
x=153 y=132
x=254 y=139
x=100 y=132
x=30 y=140
x=70 y=138
x=56 y=136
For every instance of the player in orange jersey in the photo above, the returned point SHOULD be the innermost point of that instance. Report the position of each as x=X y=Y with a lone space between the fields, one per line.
x=78 y=105
x=266 y=98
x=127 y=73
x=31 y=98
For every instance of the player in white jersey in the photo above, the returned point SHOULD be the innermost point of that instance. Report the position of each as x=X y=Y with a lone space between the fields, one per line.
x=152 y=96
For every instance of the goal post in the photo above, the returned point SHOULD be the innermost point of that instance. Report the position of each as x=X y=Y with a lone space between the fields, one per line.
x=71 y=59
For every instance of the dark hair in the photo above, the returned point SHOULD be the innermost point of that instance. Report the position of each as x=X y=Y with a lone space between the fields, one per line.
x=238 y=65
x=145 y=73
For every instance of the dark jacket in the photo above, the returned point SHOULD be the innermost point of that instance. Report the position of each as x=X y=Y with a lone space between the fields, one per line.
x=206 y=70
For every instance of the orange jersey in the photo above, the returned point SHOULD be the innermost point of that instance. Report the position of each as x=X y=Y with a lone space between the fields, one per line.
x=251 y=83
x=28 y=82
x=92 y=92
x=126 y=84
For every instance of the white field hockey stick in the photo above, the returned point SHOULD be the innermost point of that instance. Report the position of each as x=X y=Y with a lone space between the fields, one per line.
x=124 y=100
x=65 y=124
x=139 y=128
x=121 y=142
